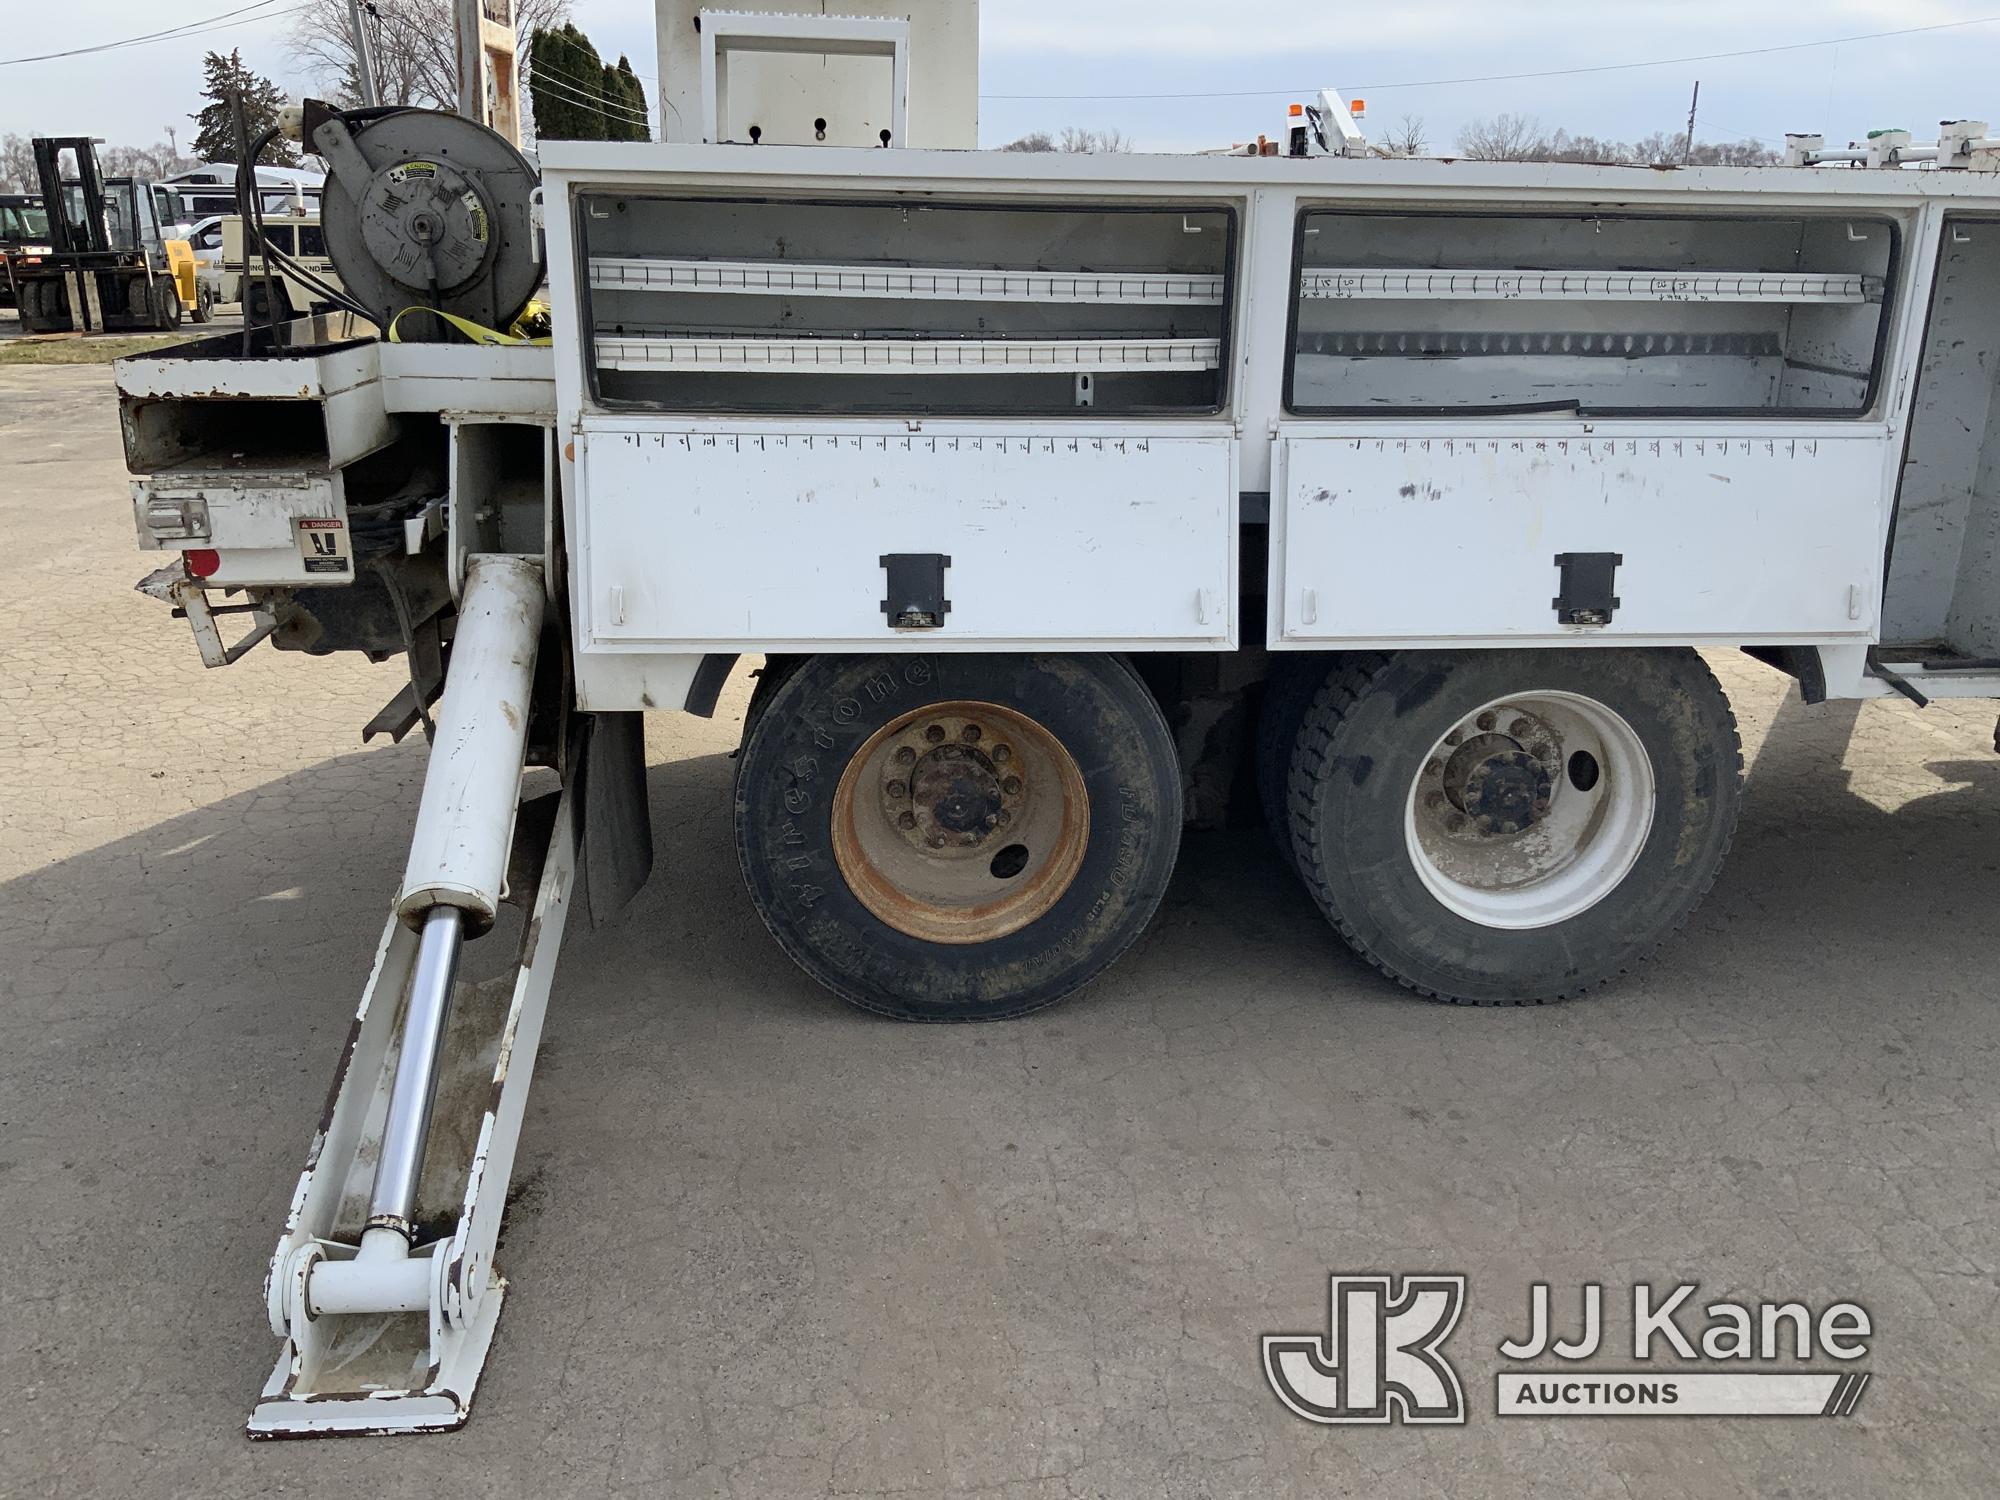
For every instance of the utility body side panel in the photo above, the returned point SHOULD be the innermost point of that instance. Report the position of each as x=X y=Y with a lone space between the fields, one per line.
x=755 y=536
x=1409 y=535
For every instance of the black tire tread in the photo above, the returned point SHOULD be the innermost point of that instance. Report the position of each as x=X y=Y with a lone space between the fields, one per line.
x=1346 y=686
x=1103 y=955
x=1288 y=696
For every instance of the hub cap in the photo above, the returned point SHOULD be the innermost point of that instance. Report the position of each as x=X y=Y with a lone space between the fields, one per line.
x=960 y=822
x=1530 y=810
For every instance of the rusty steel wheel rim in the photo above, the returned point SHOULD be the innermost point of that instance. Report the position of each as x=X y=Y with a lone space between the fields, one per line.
x=960 y=822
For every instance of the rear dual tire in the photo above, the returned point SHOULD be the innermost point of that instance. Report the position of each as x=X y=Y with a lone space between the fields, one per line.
x=1512 y=827
x=957 y=837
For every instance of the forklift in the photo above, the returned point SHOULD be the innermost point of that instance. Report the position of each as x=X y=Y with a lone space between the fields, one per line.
x=24 y=230
x=108 y=263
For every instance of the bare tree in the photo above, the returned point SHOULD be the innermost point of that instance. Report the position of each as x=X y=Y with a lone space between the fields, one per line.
x=1408 y=137
x=1518 y=138
x=1562 y=146
x=1073 y=139
x=1734 y=154
x=17 y=165
x=162 y=159
x=416 y=46
x=1078 y=141
x=1505 y=137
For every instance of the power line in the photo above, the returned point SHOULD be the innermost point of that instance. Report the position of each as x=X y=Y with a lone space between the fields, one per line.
x=1427 y=83
x=533 y=69
x=577 y=97
x=186 y=28
x=573 y=96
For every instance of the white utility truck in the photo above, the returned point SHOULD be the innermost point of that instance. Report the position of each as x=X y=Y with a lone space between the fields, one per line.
x=1051 y=490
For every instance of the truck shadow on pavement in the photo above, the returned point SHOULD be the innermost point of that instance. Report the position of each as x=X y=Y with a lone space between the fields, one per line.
x=271 y=900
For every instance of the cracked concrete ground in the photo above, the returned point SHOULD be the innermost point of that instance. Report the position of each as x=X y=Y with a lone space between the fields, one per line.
x=765 y=1246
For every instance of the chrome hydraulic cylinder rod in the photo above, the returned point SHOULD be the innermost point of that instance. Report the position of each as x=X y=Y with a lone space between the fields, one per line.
x=408 y=1125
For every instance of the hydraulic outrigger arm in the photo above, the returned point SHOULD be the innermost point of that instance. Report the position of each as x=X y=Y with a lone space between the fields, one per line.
x=383 y=1285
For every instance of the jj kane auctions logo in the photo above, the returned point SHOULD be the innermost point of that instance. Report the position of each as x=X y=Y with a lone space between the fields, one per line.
x=1382 y=1359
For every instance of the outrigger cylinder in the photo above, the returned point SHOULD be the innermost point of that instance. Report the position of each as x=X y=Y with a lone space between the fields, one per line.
x=465 y=823
x=350 y=1264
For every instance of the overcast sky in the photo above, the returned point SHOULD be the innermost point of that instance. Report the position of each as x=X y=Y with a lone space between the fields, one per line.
x=1093 y=49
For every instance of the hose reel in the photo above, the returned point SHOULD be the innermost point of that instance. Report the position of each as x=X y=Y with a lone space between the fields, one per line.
x=427 y=209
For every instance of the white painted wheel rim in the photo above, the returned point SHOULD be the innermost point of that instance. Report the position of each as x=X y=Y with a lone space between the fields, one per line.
x=1530 y=810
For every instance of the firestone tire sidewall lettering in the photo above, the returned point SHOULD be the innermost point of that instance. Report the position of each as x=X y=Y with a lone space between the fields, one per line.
x=819 y=719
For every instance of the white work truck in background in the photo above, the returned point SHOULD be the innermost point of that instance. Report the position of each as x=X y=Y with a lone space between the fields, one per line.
x=1053 y=492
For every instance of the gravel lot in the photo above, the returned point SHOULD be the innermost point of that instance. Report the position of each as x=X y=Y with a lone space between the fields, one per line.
x=765 y=1246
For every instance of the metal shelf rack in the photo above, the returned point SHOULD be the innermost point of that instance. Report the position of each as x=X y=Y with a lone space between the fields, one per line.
x=923 y=283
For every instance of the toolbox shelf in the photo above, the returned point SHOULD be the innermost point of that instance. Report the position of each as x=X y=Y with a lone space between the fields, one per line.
x=941 y=283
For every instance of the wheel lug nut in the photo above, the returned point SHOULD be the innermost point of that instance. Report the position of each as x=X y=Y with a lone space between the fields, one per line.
x=937 y=841
x=1011 y=786
x=1002 y=754
x=896 y=789
x=1485 y=721
x=993 y=820
x=1454 y=822
x=907 y=820
x=934 y=733
x=1434 y=800
x=1520 y=728
x=970 y=734
x=1435 y=768
x=1454 y=738
x=904 y=755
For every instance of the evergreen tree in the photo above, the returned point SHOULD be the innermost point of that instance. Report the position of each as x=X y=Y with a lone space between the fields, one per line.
x=624 y=104
x=223 y=77
x=566 y=86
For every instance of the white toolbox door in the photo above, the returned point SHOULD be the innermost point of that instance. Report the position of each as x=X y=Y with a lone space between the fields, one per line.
x=760 y=539
x=1397 y=537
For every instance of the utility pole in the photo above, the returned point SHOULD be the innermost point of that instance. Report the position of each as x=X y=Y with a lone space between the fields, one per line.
x=1693 y=104
x=364 y=56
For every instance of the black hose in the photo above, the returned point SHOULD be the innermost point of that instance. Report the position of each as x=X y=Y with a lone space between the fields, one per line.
x=250 y=208
x=250 y=204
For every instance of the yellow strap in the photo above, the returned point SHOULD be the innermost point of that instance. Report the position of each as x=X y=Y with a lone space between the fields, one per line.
x=479 y=333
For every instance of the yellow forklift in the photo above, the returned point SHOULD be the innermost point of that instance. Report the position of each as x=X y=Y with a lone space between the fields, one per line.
x=107 y=263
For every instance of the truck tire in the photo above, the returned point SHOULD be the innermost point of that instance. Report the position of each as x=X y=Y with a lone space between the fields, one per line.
x=1514 y=827
x=957 y=837
x=1288 y=693
x=257 y=308
x=204 y=302
x=44 y=307
x=166 y=304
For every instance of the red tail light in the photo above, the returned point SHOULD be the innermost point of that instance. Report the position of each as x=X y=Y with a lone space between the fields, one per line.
x=202 y=561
